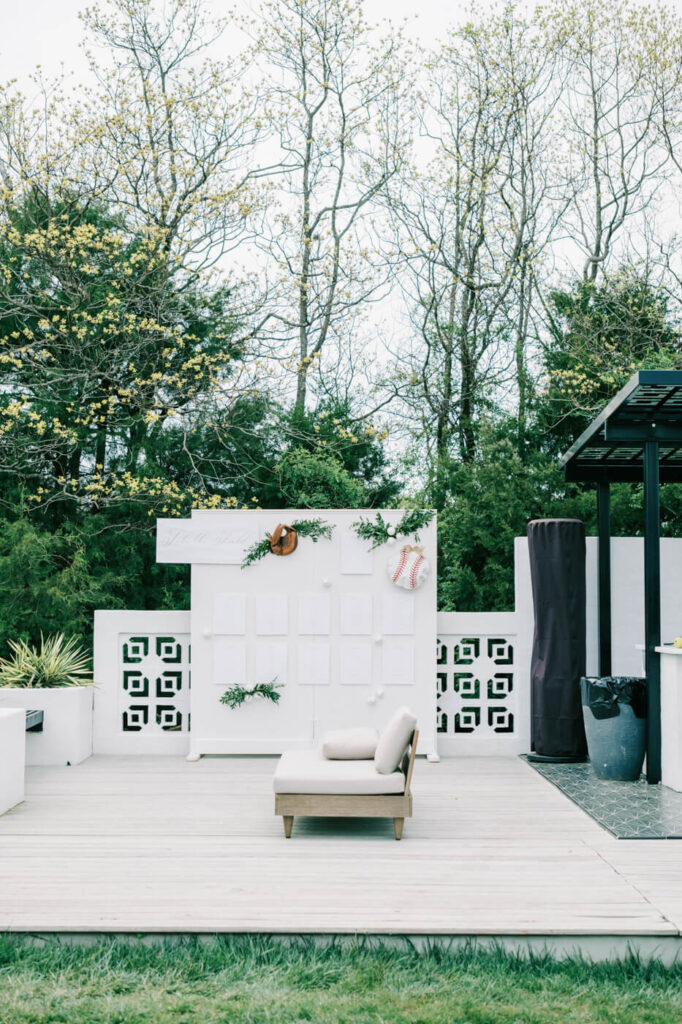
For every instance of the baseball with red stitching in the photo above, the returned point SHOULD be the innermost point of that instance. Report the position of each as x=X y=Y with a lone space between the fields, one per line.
x=407 y=568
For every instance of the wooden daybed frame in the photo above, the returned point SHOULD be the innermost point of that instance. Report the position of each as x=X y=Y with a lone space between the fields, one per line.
x=336 y=805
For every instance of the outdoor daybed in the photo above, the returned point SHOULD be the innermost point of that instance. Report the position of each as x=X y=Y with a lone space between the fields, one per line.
x=347 y=781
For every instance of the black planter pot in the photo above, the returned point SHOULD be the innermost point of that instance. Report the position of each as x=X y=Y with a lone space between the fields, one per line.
x=614 y=712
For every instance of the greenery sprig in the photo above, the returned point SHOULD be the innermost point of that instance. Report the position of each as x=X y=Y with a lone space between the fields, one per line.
x=313 y=528
x=379 y=531
x=237 y=695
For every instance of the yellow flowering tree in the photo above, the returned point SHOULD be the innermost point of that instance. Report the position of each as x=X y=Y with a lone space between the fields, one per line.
x=100 y=350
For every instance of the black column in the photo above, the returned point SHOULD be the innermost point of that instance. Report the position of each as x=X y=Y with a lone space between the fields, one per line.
x=652 y=609
x=604 y=548
x=556 y=550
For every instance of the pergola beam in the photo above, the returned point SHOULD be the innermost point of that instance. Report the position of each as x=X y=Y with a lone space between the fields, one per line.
x=635 y=433
x=593 y=472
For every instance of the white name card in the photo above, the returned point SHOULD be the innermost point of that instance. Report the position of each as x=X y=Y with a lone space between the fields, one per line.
x=188 y=540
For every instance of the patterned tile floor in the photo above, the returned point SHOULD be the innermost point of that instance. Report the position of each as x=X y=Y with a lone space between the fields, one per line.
x=629 y=810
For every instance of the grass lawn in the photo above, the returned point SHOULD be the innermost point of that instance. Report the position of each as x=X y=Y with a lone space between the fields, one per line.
x=260 y=981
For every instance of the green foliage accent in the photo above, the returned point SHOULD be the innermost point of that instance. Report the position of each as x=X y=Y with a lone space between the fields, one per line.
x=377 y=530
x=258 y=979
x=257 y=551
x=236 y=695
x=313 y=528
x=57 y=662
x=603 y=334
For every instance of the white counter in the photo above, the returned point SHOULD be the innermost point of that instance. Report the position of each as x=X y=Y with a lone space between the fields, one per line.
x=671 y=716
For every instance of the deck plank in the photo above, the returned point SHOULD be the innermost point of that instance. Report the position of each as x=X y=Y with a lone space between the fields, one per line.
x=160 y=845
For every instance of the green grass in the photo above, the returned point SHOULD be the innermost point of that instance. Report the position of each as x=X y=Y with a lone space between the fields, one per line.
x=261 y=981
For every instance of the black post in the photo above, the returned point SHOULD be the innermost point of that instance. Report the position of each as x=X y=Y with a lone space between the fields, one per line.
x=604 y=532
x=652 y=609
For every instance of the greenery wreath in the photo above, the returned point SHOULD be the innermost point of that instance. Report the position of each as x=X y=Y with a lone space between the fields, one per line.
x=237 y=695
x=313 y=528
x=379 y=531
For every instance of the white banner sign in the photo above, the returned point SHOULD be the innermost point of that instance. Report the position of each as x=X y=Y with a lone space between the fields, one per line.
x=187 y=540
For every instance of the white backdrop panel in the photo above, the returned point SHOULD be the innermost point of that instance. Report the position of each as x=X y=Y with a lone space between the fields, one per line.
x=348 y=646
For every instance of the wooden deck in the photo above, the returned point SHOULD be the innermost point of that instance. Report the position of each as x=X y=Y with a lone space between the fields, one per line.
x=148 y=845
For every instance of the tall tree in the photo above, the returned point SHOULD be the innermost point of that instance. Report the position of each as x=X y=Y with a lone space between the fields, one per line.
x=611 y=120
x=174 y=127
x=334 y=97
x=473 y=224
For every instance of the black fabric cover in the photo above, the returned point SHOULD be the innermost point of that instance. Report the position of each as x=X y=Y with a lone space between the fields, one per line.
x=557 y=566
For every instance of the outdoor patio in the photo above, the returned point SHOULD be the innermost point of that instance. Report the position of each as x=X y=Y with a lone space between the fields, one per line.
x=155 y=845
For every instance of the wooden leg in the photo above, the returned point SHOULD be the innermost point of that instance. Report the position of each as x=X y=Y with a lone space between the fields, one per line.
x=398 y=827
x=288 y=820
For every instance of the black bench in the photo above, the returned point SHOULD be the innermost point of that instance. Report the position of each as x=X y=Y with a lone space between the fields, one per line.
x=34 y=721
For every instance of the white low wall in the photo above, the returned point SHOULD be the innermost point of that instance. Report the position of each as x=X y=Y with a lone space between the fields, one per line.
x=627 y=598
x=12 y=757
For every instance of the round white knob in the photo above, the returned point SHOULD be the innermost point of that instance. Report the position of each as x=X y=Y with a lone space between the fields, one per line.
x=372 y=699
x=326 y=582
x=378 y=638
x=206 y=631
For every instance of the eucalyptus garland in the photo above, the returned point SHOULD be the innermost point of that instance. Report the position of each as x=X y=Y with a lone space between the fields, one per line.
x=379 y=531
x=237 y=695
x=313 y=528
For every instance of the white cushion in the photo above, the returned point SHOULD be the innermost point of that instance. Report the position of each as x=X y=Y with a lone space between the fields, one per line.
x=307 y=771
x=350 y=744
x=394 y=740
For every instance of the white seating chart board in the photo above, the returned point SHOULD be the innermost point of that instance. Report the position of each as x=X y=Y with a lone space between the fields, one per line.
x=326 y=623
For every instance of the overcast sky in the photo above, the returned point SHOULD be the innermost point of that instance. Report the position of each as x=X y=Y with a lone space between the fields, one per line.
x=48 y=32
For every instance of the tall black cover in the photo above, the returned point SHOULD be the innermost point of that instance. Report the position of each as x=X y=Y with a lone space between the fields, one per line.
x=557 y=567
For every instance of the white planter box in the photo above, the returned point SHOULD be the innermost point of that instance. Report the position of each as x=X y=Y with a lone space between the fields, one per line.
x=12 y=754
x=67 y=729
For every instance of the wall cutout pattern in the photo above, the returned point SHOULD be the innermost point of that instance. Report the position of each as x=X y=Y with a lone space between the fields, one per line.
x=476 y=686
x=154 y=682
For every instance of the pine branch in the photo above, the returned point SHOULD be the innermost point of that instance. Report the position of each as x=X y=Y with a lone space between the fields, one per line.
x=236 y=695
x=313 y=528
x=379 y=531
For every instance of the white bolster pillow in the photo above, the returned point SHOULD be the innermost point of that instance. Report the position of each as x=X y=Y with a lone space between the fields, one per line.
x=350 y=744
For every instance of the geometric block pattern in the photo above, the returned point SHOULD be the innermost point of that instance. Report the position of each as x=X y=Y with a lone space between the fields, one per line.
x=154 y=674
x=475 y=685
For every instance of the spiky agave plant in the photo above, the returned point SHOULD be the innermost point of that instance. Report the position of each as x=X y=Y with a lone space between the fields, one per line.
x=57 y=662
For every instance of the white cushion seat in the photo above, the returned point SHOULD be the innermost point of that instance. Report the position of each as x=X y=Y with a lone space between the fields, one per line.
x=308 y=771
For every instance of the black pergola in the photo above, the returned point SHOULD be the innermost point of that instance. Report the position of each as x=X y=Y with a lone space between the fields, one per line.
x=637 y=438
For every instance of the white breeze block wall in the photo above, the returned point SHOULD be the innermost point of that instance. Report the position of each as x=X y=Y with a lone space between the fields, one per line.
x=12 y=757
x=482 y=681
x=481 y=676
x=142 y=680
